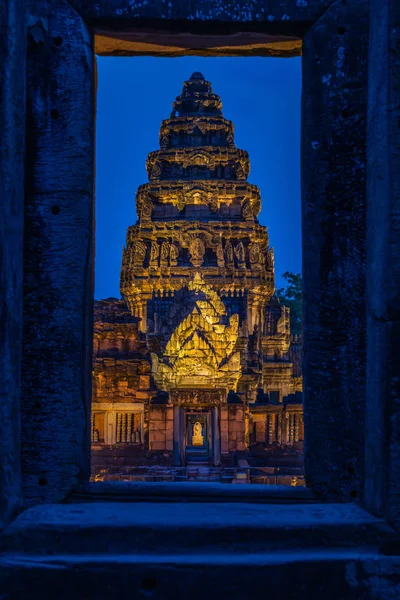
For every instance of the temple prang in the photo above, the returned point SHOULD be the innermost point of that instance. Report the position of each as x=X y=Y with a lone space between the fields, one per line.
x=197 y=362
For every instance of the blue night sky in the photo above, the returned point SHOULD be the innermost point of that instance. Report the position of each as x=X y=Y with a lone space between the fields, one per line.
x=262 y=98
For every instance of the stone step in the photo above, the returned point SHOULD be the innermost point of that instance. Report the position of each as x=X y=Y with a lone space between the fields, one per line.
x=329 y=574
x=155 y=528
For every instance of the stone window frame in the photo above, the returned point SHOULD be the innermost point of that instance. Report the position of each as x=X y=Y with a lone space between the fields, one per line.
x=47 y=241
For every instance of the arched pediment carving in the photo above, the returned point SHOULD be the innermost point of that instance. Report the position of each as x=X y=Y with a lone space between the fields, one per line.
x=201 y=347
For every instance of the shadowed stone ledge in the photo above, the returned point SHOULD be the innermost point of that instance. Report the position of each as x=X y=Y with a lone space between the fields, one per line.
x=192 y=528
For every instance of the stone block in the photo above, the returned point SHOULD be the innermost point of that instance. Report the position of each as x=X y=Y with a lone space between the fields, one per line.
x=158 y=445
x=223 y=426
x=144 y=382
x=235 y=426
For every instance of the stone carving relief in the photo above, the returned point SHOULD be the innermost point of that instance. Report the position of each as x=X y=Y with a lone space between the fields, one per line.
x=173 y=255
x=165 y=251
x=197 y=250
x=187 y=397
x=255 y=254
x=270 y=259
x=156 y=170
x=229 y=254
x=212 y=201
x=164 y=141
x=180 y=201
x=202 y=158
x=200 y=349
x=220 y=256
x=147 y=209
x=247 y=212
x=240 y=255
x=154 y=253
x=240 y=172
x=139 y=253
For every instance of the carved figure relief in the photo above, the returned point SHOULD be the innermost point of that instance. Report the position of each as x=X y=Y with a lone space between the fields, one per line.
x=239 y=253
x=154 y=253
x=197 y=198
x=254 y=254
x=229 y=254
x=220 y=256
x=247 y=212
x=181 y=201
x=147 y=209
x=165 y=250
x=173 y=255
x=270 y=259
x=139 y=253
x=212 y=200
x=164 y=141
x=240 y=174
x=156 y=170
x=197 y=250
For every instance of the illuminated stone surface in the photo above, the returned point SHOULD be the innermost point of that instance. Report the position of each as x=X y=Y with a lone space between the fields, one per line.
x=198 y=341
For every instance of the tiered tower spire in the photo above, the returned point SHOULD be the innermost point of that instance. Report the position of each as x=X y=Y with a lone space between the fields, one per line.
x=198 y=213
x=198 y=272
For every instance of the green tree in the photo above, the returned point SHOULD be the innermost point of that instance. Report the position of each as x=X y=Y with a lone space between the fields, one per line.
x=291 y=296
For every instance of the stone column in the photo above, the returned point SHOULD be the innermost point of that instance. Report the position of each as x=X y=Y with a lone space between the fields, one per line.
x=286 y=435
x=224 y=429
x=216 y=437
x=382 y=476
x=58 y=254
x=271 y=428
x=12 y=154
x=296 y=418
x=279 y=428
x=110 y=428
x=177 y=443
x=334 y=142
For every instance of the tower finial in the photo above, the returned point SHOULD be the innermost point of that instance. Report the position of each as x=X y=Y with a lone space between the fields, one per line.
x=196 y=75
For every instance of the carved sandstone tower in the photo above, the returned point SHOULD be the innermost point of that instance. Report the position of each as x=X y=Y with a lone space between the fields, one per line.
x=197 y=277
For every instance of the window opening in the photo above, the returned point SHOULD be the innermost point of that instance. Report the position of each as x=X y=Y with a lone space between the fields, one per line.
x=196 y=373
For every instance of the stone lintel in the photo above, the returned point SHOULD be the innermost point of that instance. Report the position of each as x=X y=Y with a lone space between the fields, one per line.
x=285 y=18
x=137 y=407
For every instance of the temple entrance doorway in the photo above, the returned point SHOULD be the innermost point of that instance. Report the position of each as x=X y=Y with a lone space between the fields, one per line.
x=198 y=436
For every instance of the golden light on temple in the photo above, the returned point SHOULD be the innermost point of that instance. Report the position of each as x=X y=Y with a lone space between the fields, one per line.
x=198 y=339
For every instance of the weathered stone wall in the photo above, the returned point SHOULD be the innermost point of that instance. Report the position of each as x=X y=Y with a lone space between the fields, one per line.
x=236 y=428
x=58 y=260
x=382 y=490
x=334 y=250
x=12 y=128
x=161 y=427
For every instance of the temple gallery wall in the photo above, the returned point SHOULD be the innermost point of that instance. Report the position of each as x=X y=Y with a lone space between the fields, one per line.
x=197 y=362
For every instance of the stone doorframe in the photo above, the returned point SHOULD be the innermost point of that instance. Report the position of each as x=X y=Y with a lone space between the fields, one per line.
x=196 y=399
x=47 y=201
